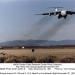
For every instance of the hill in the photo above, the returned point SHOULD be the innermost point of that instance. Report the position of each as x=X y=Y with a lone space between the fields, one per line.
x=37 y=43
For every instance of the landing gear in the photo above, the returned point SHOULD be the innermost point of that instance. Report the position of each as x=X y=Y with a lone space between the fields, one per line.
x=59 y=17
x=65 y=16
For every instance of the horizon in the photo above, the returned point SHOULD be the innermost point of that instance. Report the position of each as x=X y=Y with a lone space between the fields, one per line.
x=37 y=43
x=38 y=40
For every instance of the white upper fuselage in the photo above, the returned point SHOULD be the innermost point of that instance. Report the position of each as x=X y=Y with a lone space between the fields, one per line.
x=63 y=12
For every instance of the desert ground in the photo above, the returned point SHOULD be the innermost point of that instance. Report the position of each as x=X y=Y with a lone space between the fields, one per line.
x=40 y=55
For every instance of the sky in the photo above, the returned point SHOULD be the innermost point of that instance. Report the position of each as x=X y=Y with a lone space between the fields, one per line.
x=19 y=22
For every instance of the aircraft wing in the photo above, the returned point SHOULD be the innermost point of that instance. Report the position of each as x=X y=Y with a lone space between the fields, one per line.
x=43 y=14
x=50 y=13
x=70 y=12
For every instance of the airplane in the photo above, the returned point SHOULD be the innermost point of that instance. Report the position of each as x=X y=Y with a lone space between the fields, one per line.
x=59 y=13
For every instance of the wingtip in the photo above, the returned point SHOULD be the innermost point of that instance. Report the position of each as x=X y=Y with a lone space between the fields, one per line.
x=38 y=14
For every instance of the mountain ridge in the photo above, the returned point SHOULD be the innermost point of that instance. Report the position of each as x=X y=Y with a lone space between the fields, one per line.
x=37 y=43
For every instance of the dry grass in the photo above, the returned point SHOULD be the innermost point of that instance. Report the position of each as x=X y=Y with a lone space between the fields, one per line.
x=68 y=60
x=39 y=56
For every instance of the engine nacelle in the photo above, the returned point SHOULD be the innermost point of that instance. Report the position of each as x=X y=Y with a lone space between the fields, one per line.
x=49 y=14
x=59 y=16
